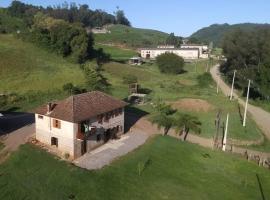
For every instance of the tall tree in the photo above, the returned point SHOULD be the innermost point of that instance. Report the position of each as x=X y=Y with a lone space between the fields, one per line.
x=121 y=18
x=94 y=79
x=183 y=123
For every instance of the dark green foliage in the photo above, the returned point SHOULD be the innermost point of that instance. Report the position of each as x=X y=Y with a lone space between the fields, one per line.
x=248 y=52
x=129 y=79
x=204 y=79
x=216 y=32
x=121 y=18
x=170 y=63
x=62 y=37
x=183 y=123
x=174 y=40
x=68 y=12
x=94 y=79
x=70 y=89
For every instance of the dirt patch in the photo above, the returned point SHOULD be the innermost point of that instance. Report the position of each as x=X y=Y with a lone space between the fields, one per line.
x=197 y=105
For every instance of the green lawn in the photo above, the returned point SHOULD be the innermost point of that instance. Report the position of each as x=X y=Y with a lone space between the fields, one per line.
x=131 y=37
x=175 y=170
x=117 y=53
x=34 y=73
x=171 y=88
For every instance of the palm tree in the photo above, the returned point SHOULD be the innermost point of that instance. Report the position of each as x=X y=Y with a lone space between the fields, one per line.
x=183 y=123
x=162 y=120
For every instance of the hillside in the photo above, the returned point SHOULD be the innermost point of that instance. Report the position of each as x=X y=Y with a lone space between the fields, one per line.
x=216 y=32
x=33 y=72
x=131 y=37
x=175 y=169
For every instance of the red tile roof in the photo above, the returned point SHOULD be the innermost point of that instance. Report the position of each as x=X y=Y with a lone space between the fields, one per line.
x=82 y=107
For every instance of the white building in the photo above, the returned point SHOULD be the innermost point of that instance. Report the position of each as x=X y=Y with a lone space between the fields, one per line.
x=203 y=49
x=187 y=54
x=80 y=123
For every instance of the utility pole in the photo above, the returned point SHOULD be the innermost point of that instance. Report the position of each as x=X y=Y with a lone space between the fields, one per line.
x=218 y=84
x=245 y=114
x=231 y=96
x=225 y=134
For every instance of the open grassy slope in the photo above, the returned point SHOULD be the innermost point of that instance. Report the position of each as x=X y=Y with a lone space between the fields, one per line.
x=131 y=37
x=25 y=67
x=172 y=88
x=34 y=73
x=176 y=170
x=116 y=53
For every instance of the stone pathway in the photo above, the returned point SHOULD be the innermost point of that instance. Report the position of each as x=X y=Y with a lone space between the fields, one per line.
x=106 y=153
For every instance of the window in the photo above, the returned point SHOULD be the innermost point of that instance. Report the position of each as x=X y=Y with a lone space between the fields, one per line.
x=56 y=123
x=98 y=137
x=40 y=116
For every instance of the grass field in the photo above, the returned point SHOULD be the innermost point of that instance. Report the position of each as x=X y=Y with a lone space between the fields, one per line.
x=117 y=53
x=27 y=69
x=171 y=88
x=175 y=170
x=131 y=37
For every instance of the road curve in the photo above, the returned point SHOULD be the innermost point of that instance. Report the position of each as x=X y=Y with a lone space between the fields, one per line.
x=260 y=116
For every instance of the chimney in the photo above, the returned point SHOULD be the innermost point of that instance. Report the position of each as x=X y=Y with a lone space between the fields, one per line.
x=49 y=107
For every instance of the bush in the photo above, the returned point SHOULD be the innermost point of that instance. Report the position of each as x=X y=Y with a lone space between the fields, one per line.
x=170 y=63
x=204 y=79
x=130 y=79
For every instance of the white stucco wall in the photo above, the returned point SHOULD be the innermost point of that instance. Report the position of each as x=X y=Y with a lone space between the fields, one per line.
x=65 y=135
x=186 y=54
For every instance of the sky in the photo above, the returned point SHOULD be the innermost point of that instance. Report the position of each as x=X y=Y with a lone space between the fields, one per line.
x=182 y=17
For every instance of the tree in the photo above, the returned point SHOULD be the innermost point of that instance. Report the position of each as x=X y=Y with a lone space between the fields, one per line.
x=162 y=120
x=95 y=80
x=174 y=40
x=183 y=123
x=170 y=63
x=163 y=116
x=120 y=18
x=130 y=79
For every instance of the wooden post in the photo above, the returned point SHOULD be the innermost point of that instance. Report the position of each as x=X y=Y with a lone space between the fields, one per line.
x=245 y=114
x=218 y=84
x=231 y=96
x=225 y=134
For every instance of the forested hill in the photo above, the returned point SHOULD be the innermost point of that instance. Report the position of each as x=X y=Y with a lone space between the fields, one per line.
x=215 y=33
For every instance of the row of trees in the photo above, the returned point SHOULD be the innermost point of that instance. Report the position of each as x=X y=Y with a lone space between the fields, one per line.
x=166 y=117
x=248 y=52
x=68 y=40
x=68 y=12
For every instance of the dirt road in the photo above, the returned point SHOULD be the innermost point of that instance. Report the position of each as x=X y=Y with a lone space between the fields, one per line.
x=260 y=116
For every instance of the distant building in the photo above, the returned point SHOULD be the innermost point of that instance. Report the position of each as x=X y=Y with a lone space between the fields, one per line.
x=203 y=49
x=185 y=53
x=135 y=61
x=98 y=30
x=80 y=123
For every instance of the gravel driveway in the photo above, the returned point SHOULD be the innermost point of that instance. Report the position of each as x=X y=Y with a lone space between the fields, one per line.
x=113 y=149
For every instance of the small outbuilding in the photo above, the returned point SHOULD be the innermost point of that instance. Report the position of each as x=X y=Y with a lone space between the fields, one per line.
x=135 y=61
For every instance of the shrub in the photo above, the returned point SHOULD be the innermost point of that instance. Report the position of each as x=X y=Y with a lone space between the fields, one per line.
x=170 y=63
x=129 y=79
x=204 y=79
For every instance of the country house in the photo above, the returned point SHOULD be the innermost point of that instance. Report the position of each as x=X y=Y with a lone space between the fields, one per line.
x=80 y=123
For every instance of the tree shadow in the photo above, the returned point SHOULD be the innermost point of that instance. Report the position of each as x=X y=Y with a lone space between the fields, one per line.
x=132 y=115
x=11 y=121
x=240 y=114
x=260 y=186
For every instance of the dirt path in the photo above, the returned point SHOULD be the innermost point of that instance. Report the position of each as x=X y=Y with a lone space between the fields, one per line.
x=13 y=140
x=260 y=116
